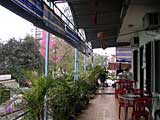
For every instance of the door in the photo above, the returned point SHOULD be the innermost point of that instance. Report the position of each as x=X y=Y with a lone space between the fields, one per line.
x=141 y=68
x=157 y=66
x=135 y=65
x=148 y=67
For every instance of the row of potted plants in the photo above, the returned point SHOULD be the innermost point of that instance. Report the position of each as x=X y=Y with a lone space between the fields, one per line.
x=64 y=97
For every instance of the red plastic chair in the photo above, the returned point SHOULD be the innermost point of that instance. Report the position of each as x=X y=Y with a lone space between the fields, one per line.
x=121 y=102
x=128 y=84
x=120 y=85
x=140 y=108
x=138 y=91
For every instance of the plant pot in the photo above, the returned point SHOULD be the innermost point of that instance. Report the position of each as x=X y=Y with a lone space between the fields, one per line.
x=72 y=117
x=78 y=108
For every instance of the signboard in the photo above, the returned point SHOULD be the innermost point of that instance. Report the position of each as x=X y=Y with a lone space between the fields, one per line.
x=125 y=66
x=33 y=7
x=113 y=66
x=123 y=54
x=52 y=21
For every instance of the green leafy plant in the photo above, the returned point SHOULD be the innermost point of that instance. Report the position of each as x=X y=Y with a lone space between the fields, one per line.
x=4 y=94
x=35 y=96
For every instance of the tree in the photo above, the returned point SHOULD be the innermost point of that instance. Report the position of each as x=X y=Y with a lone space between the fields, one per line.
x=99 y=59
x=20 y=54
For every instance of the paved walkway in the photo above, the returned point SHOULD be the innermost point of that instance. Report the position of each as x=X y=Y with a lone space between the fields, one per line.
x=103 y=107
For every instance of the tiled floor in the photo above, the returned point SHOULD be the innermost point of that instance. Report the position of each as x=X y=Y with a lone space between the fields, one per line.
x=102 y=107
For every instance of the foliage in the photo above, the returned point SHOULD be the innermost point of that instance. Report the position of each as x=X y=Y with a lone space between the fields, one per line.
x=16 y=55
x=112 y=77
x=35 y=97
x=99 y=59
x=94 y=73
x=4 y=94
x=65 y=96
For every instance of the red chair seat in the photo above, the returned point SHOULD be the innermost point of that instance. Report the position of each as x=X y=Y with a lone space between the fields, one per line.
x=140 y=108
x=137 y=115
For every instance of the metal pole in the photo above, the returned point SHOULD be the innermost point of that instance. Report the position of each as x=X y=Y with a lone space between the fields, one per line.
x=46 y=72
x=47 y=53
x=76 y=65
x=92 y=62
x=84 y=63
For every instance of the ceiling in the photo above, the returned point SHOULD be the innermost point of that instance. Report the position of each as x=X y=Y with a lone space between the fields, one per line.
x=96 y=16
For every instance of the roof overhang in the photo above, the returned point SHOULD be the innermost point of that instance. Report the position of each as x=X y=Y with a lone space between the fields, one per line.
x=96 y=16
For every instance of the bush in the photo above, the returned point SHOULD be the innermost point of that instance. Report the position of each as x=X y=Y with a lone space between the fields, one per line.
x=4 y=94
x=65 y=97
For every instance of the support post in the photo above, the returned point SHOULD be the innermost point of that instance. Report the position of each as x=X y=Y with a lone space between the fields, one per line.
x=47 y=53
x=76 y=65
x=84 y=63
x=92 y=62
x=46 y=72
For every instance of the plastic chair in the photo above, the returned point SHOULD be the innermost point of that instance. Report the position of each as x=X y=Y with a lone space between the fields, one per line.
x=128 y=84
x=138 y=91
x=120 y=85
x=139 y=110
x=121 y=102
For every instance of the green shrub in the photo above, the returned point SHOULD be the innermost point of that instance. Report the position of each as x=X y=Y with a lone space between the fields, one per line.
x=4 y=94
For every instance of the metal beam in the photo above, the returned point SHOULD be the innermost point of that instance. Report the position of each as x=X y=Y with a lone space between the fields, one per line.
x=98 y=26
x=76 y=0
x=99 y=12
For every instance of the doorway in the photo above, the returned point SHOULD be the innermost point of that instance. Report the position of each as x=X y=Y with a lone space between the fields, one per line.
x=141 y=68
x=135 y=65
x=148 y=67
x=157 y=66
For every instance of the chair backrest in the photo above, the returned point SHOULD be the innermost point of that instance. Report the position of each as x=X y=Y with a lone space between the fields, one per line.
x=128 y=84
x=138 y=91
x=141 y=104
x=121 y=91
x=121 y=83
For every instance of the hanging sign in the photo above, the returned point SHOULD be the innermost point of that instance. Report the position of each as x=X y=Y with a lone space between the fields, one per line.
x=123 y=54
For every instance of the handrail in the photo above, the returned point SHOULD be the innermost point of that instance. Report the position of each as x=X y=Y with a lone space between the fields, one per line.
x=3 y=115
x=20 y=115
x=67 y=19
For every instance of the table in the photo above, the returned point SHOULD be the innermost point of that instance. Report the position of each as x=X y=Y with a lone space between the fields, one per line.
x=129 y=97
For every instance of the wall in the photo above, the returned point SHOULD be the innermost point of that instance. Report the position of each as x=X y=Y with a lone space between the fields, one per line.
x=145 y=37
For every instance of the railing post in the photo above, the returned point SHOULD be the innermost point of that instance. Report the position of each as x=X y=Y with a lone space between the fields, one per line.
x=47 y=53
x=84 y=63
x=92 y=61
x=46 y=72
x=76 y=65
